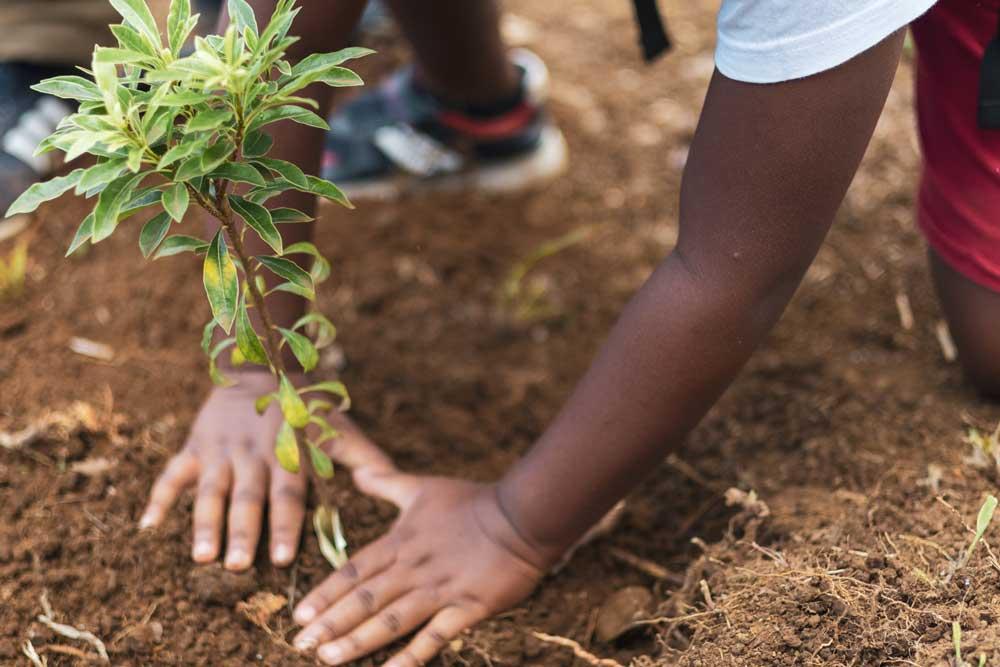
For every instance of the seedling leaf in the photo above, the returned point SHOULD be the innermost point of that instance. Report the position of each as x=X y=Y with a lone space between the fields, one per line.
x=221 y=282
x=287 y=448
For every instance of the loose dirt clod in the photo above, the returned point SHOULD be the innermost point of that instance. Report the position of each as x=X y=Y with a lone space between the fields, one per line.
x=213 y=584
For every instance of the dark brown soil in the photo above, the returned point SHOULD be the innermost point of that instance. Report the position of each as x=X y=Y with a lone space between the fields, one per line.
x=833 y=424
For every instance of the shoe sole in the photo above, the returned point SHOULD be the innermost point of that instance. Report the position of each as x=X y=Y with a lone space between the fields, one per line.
x=543 y=165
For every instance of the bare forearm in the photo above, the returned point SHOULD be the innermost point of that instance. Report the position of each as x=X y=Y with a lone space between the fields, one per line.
x=768 y=168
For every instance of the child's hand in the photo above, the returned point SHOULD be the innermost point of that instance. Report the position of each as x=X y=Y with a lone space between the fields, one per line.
x=230 y=455
x=451 y=560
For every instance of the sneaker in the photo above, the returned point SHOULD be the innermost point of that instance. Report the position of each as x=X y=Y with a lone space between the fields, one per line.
x=399 y=138
x=26 y=117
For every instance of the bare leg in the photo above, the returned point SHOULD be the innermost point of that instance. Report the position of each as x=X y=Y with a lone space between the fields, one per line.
x=973 y=314
x=459 y=52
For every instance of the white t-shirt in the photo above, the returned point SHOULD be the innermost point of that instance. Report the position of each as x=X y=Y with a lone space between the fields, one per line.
x=766 y=41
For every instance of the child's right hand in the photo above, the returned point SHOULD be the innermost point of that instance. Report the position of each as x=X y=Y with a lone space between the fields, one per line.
x=230 y=455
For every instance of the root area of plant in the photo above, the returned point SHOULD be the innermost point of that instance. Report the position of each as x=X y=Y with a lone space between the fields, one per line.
x=847 y=426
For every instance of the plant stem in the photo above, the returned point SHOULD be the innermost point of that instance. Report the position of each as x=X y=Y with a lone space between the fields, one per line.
x=224 y=214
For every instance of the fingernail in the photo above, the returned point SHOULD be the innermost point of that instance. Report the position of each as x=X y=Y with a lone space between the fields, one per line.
x=282 y=554
x=202 y=550
x=304 y=614
x=237 y=558
x=331 y=653
x=146 y=522
x=305 y=643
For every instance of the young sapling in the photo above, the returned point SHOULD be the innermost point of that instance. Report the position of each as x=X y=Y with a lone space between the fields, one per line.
x=172 y=132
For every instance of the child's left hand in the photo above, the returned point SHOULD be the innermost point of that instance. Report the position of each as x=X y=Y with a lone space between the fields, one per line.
x=451 y=560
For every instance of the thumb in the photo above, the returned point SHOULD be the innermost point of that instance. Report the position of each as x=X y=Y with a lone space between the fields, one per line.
x=356 y=451
x=398 y=488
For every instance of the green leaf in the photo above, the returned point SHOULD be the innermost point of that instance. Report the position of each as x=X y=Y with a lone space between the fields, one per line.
x=134 y=162
x=286 y=170
x=181 y=98
x=130 y=40
x=182 y=151
x=238 y=172
x=222 y=284
x=289 y=215
x=176 y=200
x=206 y=336
x=213 y=369
x=113 y=56
x=321 y=463
x=286 y=448
x=110 y=203
x=334 y=388
x=216 y=155
x=327 y=60
x=177 y=24
x=320 y=269
x=40 y=193
x=100 y=174
x=292 y=405
x=341 y=77
x=302 y=348
x=297 y=290
x=70 y=88
x=106 y=76
x=292 y=113
x=326 y=332
x=290 y=271
x=259 y=218
x=209 y=120
x=83 y=234
x=257 y=144
x=137 y=14
x=247 y=340
x=153 y=233
x=140 y=200
x=242 y=15
x=180 y=243
x=985 y=515
x=327 y=190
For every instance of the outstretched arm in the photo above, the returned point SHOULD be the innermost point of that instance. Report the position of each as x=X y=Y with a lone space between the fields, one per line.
x=768 y=168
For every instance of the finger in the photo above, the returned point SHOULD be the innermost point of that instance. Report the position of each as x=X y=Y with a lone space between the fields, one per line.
x=398 y=619
x=209 y=506
x=362 y=603
x=356 y=451
x=398 y=488
x=287 y=511
x=369 y=562
x=179 y=474
x=448 y=624
x=246 y=513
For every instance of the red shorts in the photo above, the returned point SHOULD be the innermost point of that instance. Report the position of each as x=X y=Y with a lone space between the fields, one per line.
x=959 y=201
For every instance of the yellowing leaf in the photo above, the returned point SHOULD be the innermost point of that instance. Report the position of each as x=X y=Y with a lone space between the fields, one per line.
x=292 y=406
x=221 y=282
x=247 y=340
x=286 y=448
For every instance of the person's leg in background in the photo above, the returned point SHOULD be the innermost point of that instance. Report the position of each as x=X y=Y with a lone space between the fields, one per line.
x=468 y=114
x=959 y=202
x=41 y=38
